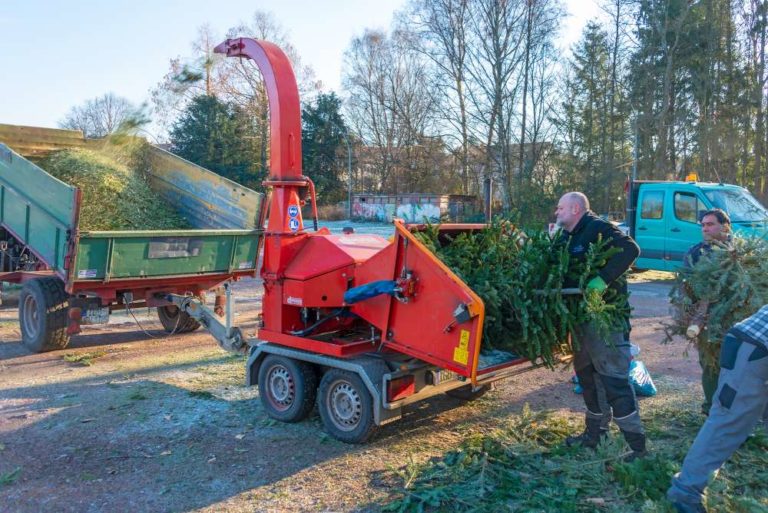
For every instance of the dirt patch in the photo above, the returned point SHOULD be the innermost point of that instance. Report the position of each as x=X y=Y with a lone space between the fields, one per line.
x=158 y=423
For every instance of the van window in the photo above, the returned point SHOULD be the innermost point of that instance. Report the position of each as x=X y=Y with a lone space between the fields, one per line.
x=653 y=205
x=688 y=207
x=740 y=205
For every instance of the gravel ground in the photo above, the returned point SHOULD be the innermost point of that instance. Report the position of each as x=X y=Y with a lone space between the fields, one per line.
x=132 y=420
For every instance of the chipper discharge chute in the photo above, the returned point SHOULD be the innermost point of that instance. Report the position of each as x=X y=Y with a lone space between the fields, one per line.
x=356 y=323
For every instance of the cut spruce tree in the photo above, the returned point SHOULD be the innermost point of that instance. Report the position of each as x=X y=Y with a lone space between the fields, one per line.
x=727 y=285
x=520 y=277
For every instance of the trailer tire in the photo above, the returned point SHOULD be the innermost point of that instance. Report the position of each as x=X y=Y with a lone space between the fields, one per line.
x=466 y=393
x=287 y=388
x=43 y=314
x=174 y=320
x=346 y=406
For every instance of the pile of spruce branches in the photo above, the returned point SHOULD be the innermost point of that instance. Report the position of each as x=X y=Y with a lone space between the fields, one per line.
x=116 y=195
x=733 y=284
x=519 y=275
x=523 y=465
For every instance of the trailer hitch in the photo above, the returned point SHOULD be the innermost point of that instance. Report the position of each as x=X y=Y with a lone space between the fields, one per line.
x=229 y=338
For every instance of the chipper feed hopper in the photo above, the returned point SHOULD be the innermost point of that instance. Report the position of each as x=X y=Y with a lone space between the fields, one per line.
x=360 y=324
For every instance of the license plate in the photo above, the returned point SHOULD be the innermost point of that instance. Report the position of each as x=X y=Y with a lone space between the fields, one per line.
x=444 y=375
x=96 y=316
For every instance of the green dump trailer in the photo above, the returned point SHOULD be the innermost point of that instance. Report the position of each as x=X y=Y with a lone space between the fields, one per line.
x=71 y=277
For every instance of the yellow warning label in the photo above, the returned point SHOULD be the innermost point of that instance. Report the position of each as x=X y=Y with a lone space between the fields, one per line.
x=461 y=353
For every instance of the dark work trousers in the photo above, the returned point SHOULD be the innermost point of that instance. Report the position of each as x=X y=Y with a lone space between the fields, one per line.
x=739 y=402
x=709 y=375
x=605 y=360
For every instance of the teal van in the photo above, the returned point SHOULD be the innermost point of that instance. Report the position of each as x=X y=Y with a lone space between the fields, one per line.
x=663 y=217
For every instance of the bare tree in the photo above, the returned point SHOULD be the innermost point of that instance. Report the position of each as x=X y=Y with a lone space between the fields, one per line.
x=236 y=81
x=495 y=55
x=100 y=116
x=390 y=107
x=441 y=26
x=201 y=73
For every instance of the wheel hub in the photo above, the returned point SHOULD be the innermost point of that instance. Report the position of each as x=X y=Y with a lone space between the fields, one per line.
x=31 y=317
x=346 y=406
x=282 y=388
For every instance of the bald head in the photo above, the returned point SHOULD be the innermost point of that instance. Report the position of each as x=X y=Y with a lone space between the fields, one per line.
x=570 y=209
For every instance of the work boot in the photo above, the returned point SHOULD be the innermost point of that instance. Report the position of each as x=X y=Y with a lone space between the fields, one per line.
x=636 y=442
x=591 y=436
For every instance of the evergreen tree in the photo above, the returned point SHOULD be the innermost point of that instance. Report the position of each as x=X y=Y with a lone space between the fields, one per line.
x=593 y=122
x=216 y=136
x=323 y=146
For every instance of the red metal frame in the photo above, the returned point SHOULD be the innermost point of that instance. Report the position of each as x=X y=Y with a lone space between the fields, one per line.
x=336 y=347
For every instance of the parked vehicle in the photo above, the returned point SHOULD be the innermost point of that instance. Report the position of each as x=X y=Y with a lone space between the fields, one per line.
x=72 y=277
x=663 y=217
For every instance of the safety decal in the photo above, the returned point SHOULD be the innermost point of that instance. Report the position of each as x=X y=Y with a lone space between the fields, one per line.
x=295 y=301
x=293 y=211
x=87 y=273
x=461 y=352
x=293 y=224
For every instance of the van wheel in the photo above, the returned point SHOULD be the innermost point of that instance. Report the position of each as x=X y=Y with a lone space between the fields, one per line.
x=174 y=320
x=287 y=388
x=43 y=307
x=346 y=406
x=466 y=393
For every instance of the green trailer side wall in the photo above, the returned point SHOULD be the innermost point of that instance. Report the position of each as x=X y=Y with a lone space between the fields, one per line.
x=37 y=207
x=104 y=256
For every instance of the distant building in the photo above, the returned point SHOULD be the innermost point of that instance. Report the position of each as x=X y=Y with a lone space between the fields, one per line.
x=414 y=208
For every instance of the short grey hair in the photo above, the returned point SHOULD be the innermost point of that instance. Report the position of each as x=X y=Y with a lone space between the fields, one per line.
x=579 y=198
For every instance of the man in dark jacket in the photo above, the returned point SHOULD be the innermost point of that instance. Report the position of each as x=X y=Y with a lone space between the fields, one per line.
x=602 y=357
x=716 y=231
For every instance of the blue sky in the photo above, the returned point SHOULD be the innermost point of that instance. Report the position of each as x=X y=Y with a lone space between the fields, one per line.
x=58 y=54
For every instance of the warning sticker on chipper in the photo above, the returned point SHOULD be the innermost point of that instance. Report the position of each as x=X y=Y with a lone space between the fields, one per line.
x=87 y=273
x=245 y=265
x=461 y=352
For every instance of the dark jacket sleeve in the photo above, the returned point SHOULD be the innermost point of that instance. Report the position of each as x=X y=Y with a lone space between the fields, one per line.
x=619 y=262
x=691 y=258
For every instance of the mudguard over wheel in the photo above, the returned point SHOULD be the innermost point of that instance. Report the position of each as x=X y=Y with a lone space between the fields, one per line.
x=287 y=388
x=43 y=314
x=174 y=320
x=346 y=406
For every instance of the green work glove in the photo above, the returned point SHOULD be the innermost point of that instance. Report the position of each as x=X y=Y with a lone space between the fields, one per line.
x=597 y=284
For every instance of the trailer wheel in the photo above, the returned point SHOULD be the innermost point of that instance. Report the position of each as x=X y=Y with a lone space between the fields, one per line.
x=176 y=321
x=287 y=388
x=346 y=406
x=466 y=393
x=43 y=307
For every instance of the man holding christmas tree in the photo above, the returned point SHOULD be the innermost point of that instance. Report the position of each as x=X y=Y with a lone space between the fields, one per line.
x=740 y=399
x=603 y=357
x=716 y=230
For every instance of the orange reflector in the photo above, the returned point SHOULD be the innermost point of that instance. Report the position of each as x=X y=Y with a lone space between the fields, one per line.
x=400 y=388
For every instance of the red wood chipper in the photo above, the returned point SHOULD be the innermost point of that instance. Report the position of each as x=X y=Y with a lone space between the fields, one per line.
x=359 y=324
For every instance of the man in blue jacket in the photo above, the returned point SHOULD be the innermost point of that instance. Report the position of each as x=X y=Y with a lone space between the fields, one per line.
x=602 y=357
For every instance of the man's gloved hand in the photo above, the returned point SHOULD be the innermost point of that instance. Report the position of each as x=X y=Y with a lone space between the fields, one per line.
x=597 y=284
